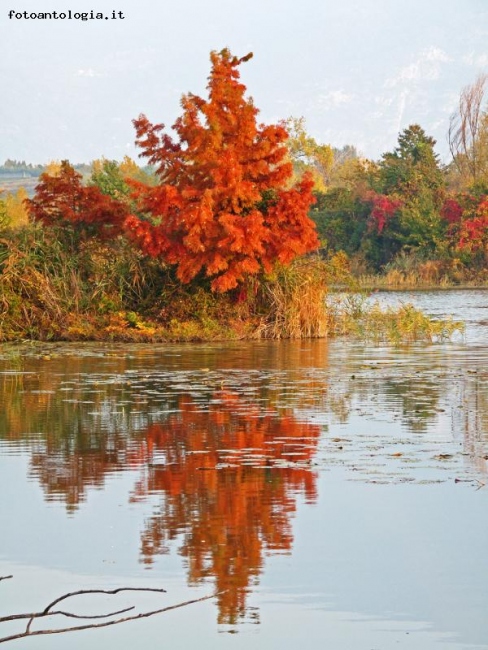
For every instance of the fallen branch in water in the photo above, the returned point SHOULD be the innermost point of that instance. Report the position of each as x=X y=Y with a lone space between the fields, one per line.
x=481 y=484
x=49 y=611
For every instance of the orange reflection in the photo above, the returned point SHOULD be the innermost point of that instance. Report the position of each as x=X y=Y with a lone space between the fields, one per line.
x=67 y=473
x=230 y=476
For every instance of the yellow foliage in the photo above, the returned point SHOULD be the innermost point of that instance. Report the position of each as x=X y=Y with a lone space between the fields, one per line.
x=129 y=168
x=308 y=155
x=97 y=165
x=53 y=168
x=13 y=212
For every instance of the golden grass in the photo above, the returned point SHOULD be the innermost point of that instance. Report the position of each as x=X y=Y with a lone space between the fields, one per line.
x=397 y=325
x=51 y=289
x=293 y=302
x=425 y=275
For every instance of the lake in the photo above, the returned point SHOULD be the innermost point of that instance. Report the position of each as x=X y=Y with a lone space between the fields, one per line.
x=331 y=493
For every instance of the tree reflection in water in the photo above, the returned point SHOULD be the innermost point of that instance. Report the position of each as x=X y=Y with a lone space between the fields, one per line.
x=228 y=471
x=229 y=478
x=229 y=466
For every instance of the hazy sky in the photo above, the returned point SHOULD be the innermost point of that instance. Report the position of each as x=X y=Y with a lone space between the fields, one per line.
x=359 y=71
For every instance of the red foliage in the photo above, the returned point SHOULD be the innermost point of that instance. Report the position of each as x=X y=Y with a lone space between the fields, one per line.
x=222 y=206
x=62 y=199
x=467 y=216
x=382 y=209
x=452 y=211
x=473 y=235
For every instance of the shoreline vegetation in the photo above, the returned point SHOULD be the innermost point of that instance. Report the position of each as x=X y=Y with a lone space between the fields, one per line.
x=406 y=273
x=109 y=291
x=410 y=282
x=240 y=230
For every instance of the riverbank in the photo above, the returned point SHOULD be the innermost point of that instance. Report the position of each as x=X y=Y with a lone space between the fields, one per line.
x=55 y=287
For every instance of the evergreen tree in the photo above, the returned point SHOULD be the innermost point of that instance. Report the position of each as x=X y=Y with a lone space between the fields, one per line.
x=413 y=174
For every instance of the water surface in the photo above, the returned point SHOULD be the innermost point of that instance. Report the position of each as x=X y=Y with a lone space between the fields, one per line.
x=331 y=492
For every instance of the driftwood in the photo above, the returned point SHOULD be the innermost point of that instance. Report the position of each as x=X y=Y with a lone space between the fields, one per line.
x=50 y=611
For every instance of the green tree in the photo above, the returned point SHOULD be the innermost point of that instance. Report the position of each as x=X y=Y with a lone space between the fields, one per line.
x=114 y=179
x=413 y=174
x=341 y=218
x=345 y=214
x=106 y=175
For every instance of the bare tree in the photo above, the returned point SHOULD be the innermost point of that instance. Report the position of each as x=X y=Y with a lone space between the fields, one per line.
x=52 y=611
x=465 y=130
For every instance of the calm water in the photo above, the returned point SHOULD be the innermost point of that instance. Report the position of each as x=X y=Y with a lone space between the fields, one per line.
x=332 y=493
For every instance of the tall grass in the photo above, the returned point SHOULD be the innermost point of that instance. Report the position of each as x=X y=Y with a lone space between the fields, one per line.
x=49 y=290
x=56 y=287
x=34 y=302
x=354 y=316
x=408 y=271
x=292 y=301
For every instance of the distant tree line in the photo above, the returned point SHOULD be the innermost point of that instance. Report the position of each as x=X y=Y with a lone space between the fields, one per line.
x=20 y=167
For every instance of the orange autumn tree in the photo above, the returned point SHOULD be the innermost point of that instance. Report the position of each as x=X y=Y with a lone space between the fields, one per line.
x=61 y=199
x=223 y=207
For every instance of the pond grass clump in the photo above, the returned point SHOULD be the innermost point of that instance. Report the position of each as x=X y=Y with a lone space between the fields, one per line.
x=354 y=316
x=55 y=289
x=292 y=301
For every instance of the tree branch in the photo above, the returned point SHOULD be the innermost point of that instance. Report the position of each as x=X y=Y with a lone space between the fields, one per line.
x=48 y=611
